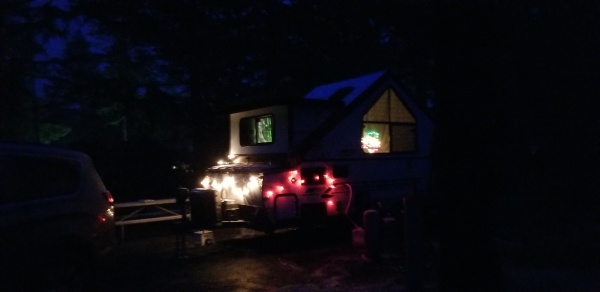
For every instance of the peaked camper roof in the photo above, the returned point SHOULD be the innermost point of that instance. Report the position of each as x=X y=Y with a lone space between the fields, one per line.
x=351 y=92
x=347 y=90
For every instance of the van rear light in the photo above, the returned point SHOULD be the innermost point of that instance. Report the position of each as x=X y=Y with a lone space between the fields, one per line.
x=108 y=214
x=109 y=197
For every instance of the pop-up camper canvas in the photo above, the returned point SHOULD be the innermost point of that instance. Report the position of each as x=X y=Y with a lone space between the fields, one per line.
x=345 y=147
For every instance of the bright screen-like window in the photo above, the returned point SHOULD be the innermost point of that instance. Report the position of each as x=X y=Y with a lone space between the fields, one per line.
x=256 y=130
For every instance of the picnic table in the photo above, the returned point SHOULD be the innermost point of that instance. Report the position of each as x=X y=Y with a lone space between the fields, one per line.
x=145 y=211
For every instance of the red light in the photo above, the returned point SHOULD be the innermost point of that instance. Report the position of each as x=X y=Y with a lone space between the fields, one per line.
x=109 y=197
x=329 y=179
x=330 y=203
x=280 y=189
x=292 y=177
x=317 y=177
x=269 y=194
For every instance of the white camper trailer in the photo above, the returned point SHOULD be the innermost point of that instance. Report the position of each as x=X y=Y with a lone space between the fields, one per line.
x=343 y=148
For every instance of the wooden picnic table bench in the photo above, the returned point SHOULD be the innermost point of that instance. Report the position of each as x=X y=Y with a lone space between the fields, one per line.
x=145 y=211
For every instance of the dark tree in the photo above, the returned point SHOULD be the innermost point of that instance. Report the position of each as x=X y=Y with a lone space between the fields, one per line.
x=21 y=28
x=516 y=95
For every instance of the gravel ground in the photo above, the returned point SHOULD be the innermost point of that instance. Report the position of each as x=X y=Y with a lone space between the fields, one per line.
x=246 y=260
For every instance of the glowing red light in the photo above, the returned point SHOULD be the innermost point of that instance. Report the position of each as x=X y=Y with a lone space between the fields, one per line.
x=109 y=197
x=330 y=203
x=280 y=189
x=292 y=177
x=317 y=177
x=329 y=179
x=269 y=194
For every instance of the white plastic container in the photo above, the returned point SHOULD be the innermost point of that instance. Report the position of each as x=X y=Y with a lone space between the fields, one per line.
x=204 y=237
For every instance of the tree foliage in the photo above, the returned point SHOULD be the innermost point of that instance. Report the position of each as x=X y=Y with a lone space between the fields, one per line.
x=114 y=75
x=516 y=96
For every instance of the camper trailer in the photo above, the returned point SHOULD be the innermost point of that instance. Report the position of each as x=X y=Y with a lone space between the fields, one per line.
x=344 y=147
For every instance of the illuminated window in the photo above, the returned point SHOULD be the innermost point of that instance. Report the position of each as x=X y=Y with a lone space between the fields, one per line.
x=388 y=126
x=256 y=130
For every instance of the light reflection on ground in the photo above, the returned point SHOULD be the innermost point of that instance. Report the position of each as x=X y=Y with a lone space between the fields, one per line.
x=248 y=260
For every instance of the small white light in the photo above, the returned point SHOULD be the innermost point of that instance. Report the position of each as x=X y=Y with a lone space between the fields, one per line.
x=205 y=182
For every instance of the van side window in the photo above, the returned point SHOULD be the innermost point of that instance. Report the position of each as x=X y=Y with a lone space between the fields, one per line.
x=28 y=177
x=313 y=175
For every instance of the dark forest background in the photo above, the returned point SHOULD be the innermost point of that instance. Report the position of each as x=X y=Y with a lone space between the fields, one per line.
x=149 y=84
x=145 y=87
